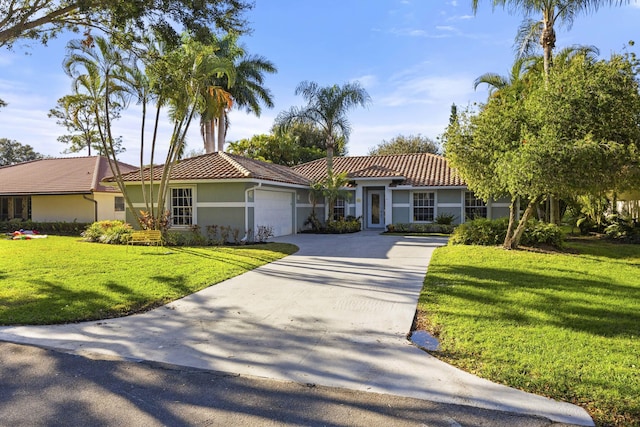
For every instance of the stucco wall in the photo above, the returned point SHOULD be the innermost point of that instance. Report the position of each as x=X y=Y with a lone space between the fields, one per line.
x=68 y=208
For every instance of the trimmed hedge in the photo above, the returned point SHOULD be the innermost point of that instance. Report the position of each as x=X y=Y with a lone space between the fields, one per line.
x=487 y=232
x=60 y=228
x=420 y=228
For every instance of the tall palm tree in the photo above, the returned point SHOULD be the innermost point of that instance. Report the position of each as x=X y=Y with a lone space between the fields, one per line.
x=519 y=76
x=327 y=109
x=98 y=70
x=543 y=29
x=247 y=93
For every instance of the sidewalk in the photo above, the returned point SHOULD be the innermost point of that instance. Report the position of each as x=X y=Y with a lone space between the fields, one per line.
x=336 y=314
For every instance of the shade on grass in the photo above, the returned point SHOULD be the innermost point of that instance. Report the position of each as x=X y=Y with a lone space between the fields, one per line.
x=565 y=326
x=63 y=279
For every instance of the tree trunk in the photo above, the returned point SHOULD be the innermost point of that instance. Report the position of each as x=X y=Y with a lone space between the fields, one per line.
x=513 y=213
x=222 y=124
x=514 y=241
x=330 y=146
x=208 y=136
x=554 y=210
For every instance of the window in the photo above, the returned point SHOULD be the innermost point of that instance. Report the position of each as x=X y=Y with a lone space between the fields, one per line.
x=339 y=209
x=118 y=204
x=182 y=206
x=423 y=207
x=474 y=207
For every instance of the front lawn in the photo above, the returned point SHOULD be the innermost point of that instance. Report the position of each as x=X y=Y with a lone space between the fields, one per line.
x=565 y=326
x=63 y=279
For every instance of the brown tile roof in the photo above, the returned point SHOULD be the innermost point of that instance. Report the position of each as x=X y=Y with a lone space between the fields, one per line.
x=71 y=175
x=418 y=170
x=223 y=166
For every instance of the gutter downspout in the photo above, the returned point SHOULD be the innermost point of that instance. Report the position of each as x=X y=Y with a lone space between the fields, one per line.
x=246 y=210
x=95 y=207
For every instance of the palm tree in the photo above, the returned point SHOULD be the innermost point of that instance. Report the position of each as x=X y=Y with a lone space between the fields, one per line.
x=326 y=109
x=98 y=74
x=247 y=93
x=519 y=77
x=543 y=29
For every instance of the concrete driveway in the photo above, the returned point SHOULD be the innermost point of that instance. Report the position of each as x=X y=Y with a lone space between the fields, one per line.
x=336 y=313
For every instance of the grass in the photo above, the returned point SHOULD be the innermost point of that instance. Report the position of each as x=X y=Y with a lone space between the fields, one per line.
x=63 y=279
x=566 y=326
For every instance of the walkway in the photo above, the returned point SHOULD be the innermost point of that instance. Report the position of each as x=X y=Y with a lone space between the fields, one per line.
x=336 y=313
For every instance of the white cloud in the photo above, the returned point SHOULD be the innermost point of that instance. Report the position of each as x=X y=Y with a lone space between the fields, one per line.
x=367 y=80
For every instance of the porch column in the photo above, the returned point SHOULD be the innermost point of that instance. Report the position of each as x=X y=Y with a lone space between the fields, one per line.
x=359 y=201
x=388 y=206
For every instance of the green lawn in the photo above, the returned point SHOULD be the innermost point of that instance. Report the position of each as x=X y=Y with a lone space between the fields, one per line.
x=565 y=326
x=63 y=279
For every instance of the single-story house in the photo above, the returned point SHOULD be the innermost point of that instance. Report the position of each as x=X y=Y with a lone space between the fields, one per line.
x=62 y=189
x=229 y=190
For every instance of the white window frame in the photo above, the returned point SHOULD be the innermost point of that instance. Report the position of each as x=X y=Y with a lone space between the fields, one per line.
x=193 y=207
x=478 y=203
x=340 y=204
x=432 y=198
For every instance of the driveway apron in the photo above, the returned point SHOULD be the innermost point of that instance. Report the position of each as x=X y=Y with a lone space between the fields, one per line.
x=336 y=313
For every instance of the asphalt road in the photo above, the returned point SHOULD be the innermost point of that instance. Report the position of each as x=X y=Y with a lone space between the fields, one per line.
x=41 y=387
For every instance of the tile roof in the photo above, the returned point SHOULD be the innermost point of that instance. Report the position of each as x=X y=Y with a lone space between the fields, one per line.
x=418 y=170
x=70 y=175
x=223 y=166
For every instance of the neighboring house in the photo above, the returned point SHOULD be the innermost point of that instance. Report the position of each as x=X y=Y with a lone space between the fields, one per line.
x=229 y=190
x=628 y=204
x=64 y=189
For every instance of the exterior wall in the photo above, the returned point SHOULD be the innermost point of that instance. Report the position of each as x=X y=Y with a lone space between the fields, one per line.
x=68 y=208
x=106 y=206
x=229 y=204
x=447 y=202
x=450 y=202
x=401 y=206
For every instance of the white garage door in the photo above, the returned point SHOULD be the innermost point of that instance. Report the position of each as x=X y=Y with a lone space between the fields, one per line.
x=273 y=209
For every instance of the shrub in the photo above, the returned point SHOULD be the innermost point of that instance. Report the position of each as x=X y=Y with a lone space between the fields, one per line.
x=60 y=228
x=542 y=233
x=109 y=231
x=624 y=229
x=493 y=232
x=445 y=219
x=343 y=225
x=420 y=228
x=480 y=231
x=263 y=233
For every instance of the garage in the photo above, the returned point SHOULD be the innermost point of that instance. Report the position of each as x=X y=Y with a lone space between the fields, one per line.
x=274 y=209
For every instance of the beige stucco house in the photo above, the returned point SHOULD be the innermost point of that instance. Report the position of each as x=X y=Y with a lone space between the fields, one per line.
x=63 y=189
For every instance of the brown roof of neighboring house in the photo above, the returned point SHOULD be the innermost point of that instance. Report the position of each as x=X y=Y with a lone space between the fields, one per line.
x=222 y=166
x=418 y=170
x=70 y=175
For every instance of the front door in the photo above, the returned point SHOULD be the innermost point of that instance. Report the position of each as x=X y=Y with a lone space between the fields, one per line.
x=375 y=217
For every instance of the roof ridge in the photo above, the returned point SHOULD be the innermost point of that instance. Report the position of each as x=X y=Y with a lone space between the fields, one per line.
x=234 y=163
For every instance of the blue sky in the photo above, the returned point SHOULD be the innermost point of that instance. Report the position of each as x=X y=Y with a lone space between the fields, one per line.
x=414 y=57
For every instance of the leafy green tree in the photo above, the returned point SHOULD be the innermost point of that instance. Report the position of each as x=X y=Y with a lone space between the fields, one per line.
x=281 y=149
x=405 y=145
x=75 y=114
x=2 y=103
x=577 y=133
x=12 y=152
x=42 y=20
x=327 y=109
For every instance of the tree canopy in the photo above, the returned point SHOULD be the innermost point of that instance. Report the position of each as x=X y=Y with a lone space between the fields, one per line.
x=576 y=133
x=12 y=152
x=42 y=20
x=405 y=145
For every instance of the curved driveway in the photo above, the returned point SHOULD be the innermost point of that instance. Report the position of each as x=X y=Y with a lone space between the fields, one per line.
x=336 y=313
